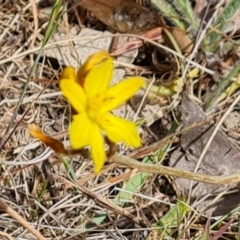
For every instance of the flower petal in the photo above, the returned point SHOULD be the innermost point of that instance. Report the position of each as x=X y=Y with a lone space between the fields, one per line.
x=69 y=73
x=121 y=92
x=92 y=61
x=74 y=94
x=119 y=130
x=79 y=131
x=98 y=78
x=97 y=148
x=56 y=145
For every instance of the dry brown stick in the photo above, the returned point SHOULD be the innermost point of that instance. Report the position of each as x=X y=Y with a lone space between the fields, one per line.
x=5 y=235
x=145 y=150
x=104 y=202
x=158 y=169
x=143 y=167
x=21 y=220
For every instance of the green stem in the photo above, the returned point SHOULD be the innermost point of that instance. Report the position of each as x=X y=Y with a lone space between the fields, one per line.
x=221 y=87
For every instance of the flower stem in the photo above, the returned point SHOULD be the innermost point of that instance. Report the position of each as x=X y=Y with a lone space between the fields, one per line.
x=151 y=168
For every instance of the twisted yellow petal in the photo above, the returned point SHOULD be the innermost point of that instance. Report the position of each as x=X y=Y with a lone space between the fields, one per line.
x=92 y=61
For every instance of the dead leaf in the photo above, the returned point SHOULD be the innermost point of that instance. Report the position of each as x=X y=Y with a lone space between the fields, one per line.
x=181 y=38
x=73 y=48
x=222 y=158
x=123 y=15
x=154 y=34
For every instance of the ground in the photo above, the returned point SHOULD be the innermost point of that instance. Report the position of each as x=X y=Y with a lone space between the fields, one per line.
x=187 y=115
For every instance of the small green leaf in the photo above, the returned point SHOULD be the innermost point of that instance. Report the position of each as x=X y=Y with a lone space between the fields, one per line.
x=132 y=185
x=172 y=218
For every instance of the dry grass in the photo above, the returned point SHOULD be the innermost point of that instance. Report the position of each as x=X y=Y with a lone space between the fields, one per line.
x=45 y=195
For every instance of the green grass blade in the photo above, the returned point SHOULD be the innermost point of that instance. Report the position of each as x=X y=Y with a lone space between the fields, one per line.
x=230 y=90
x=167 y=10
x=68 y=167
x=223 y=18
x=206 y=233
x=42 y=191
x=221 y=87
x=224 y=217
x=186 y=10
x=55 y=16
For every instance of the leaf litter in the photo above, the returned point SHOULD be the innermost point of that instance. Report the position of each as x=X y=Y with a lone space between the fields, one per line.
x=67 y=200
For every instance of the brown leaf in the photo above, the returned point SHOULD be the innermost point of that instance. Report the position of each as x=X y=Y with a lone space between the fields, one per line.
x=153 y=34
x=181 y=37
x=222 y=158
x=124 y=15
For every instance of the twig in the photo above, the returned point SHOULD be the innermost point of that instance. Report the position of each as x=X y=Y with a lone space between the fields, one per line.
x=21 y=220
x=152 y=168
x=5 y=235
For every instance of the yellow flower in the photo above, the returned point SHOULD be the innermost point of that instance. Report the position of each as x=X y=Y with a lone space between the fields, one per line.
x=92 y=98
